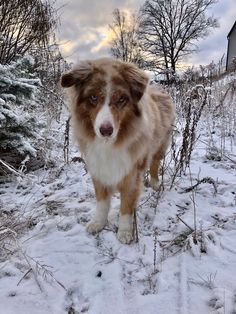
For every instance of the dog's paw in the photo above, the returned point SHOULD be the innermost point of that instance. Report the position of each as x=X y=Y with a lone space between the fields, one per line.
x=125 y=236
x=94 y=226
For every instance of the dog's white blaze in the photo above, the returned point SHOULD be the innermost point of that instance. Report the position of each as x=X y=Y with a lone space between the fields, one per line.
x=107 y=163
x=105 y=115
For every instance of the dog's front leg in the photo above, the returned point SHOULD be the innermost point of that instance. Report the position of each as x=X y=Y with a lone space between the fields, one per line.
x=129 y=193
x=103 y=197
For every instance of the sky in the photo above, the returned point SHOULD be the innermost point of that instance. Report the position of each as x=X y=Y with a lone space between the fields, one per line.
x=83 y=32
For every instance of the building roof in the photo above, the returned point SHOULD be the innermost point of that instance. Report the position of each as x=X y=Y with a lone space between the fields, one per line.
x=231 y=29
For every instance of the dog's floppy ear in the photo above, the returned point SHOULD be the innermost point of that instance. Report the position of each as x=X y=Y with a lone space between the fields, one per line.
x=137 y=80
x=77 y=75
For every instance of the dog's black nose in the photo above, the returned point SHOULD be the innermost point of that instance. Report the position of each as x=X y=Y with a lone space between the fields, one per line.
x=106 y=129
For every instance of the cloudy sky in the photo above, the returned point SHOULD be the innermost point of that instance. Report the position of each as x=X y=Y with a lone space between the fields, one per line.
x=83 y=32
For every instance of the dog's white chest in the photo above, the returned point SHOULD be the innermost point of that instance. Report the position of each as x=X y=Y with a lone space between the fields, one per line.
x=106 y=163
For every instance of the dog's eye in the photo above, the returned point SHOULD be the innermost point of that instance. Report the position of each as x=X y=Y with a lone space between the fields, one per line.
x=93 y=99
x=122 y=100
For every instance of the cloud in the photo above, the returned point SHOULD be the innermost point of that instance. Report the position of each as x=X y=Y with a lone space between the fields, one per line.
x=214 y=46
x=89 y=43
x=84 y=31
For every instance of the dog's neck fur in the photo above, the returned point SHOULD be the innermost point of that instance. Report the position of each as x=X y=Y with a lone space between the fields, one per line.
x=107 y=163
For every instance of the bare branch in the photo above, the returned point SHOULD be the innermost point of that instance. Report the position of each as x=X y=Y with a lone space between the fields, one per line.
x=24 y=25
x=169 y=29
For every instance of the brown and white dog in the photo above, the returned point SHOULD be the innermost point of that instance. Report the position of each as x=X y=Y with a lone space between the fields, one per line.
x=123 y=126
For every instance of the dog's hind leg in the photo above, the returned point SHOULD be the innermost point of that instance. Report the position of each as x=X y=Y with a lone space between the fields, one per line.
x=155 y=165
x=154 y=169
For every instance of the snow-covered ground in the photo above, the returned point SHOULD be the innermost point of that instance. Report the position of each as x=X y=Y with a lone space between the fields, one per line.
x=55 y=266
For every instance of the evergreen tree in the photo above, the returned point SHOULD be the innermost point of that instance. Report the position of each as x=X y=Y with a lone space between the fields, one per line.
x=18 y=124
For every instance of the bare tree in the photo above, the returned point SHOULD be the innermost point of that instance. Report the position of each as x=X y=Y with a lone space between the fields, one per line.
x=24 y=24
x=169 y=29
x=125 y=43
x=49 y=66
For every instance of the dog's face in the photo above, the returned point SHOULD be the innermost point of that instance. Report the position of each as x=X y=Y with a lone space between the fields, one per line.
x=108 y=94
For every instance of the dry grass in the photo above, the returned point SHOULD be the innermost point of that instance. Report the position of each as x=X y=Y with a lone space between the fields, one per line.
x=12 y=226
x=194 y=103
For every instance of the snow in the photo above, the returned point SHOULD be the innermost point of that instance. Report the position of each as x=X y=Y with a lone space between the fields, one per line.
x=2 y=102
x=27 y=59
x=56 y=267
x=5 y=81
x=81 y=273
x=8 y=97
x=25 y=146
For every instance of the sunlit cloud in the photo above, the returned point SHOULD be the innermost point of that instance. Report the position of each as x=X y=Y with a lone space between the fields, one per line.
x=84 y=31
x=67 y=47
x=106 y=38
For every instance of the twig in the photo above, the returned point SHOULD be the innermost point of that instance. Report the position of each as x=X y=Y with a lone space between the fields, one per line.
x=39 y=267
x=227 y=157
x=194 y=210
x=33 y=271
x=155 y=253
x=135 y=227
x=28 y=271
x=204 y=180
x=11 y=168
x=66 y=141
x=185 y=223
x=223 y=154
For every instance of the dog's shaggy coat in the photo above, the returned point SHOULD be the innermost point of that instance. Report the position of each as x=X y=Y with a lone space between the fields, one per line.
x=123 y=126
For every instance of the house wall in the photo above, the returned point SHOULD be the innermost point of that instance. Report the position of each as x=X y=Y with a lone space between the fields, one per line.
x=231 y=48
